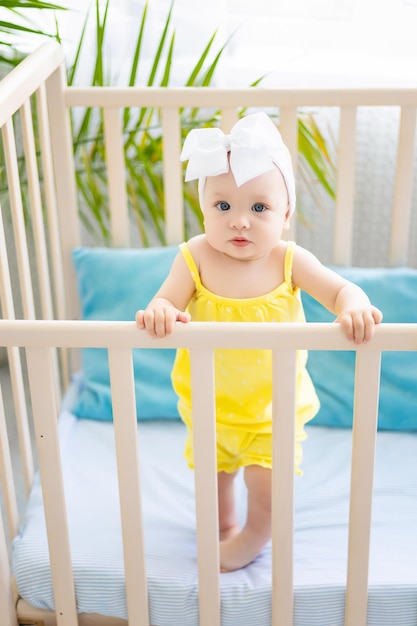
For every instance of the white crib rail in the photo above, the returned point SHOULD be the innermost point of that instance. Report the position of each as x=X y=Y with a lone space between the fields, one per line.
x=16 y=92
x=40 y=337
x=125 y=430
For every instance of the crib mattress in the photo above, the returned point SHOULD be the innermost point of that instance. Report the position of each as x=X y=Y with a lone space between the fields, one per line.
x=321 y=523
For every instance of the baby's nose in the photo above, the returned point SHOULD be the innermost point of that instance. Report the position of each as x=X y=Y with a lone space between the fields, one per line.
x=239 y=221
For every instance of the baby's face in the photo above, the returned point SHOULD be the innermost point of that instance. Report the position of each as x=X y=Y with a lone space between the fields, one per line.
x=245 y=222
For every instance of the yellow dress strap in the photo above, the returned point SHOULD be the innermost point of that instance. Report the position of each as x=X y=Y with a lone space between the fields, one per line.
x=188 y=258
x=289 y=257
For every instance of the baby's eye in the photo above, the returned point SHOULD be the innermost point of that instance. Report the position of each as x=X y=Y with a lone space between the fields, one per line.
x=223 y=206
x=258 y=207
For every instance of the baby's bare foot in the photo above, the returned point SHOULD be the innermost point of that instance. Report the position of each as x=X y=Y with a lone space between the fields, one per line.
x=238 y=551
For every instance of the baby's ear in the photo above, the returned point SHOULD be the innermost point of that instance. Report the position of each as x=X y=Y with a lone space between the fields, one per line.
x=287 y=219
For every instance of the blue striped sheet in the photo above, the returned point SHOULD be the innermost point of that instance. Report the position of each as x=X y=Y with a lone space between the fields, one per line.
x=168 y=500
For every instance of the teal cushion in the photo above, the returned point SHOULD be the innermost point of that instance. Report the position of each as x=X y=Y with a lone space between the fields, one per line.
x=113 y=284
x=394 y=291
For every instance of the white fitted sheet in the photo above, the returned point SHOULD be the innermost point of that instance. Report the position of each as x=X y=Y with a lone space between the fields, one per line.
x=321 y=522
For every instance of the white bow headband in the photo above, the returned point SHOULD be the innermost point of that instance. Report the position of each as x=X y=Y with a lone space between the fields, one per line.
x=255 y=146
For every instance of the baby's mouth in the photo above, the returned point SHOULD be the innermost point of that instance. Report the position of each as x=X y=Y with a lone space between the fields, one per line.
x=239 y=241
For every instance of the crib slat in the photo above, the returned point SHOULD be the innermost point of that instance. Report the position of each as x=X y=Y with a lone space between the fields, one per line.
x=172 y=176
x=25 y=284
x=126 y=439
x=403 y=189
x=204 y=441
x=229 y=117
x=50 y=201
x=6 y=476
x=15 y=366
x=6 y=293
x=22 y=254
x=36 y=209
x=288 y=127
x=289 y=130
x=65 y=186
x=52 y=219
x=7 y=603
x=42 y=390
x=363 y=455
x=345 y=186
x=37 y=222
x=283 y=433
x=119 y=216
x=19 y=401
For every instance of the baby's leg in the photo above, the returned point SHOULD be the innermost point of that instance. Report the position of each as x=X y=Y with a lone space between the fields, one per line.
x=242 y=548
x=228 y=525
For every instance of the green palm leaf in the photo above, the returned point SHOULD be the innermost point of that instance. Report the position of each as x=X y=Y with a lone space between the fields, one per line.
x=142 y=134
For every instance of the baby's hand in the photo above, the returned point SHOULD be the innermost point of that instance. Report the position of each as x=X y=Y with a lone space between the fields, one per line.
x=159 y=318
x=359 y=324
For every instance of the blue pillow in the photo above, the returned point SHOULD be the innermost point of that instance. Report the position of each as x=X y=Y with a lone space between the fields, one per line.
x=113 y=284
x=394 y=291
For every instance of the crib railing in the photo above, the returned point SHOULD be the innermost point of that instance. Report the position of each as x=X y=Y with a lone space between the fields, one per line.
x=38 y=338
x=286 y=103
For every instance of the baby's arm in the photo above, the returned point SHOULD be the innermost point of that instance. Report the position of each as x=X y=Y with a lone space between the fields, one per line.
x=356 y=314
x=169 y=303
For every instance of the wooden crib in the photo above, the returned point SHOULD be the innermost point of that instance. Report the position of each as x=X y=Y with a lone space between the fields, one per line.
x=43 y=346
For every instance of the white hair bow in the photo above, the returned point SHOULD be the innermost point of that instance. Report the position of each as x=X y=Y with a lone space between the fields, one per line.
x=255 y=146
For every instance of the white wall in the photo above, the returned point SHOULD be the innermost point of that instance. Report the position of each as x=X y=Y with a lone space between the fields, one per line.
x=342 y=41
x=349 y=41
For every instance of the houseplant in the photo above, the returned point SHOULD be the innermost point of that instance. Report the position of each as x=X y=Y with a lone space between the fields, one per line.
x=141 y=129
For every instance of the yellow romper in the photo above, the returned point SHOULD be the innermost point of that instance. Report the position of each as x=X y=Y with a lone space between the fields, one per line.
x=243 y=377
